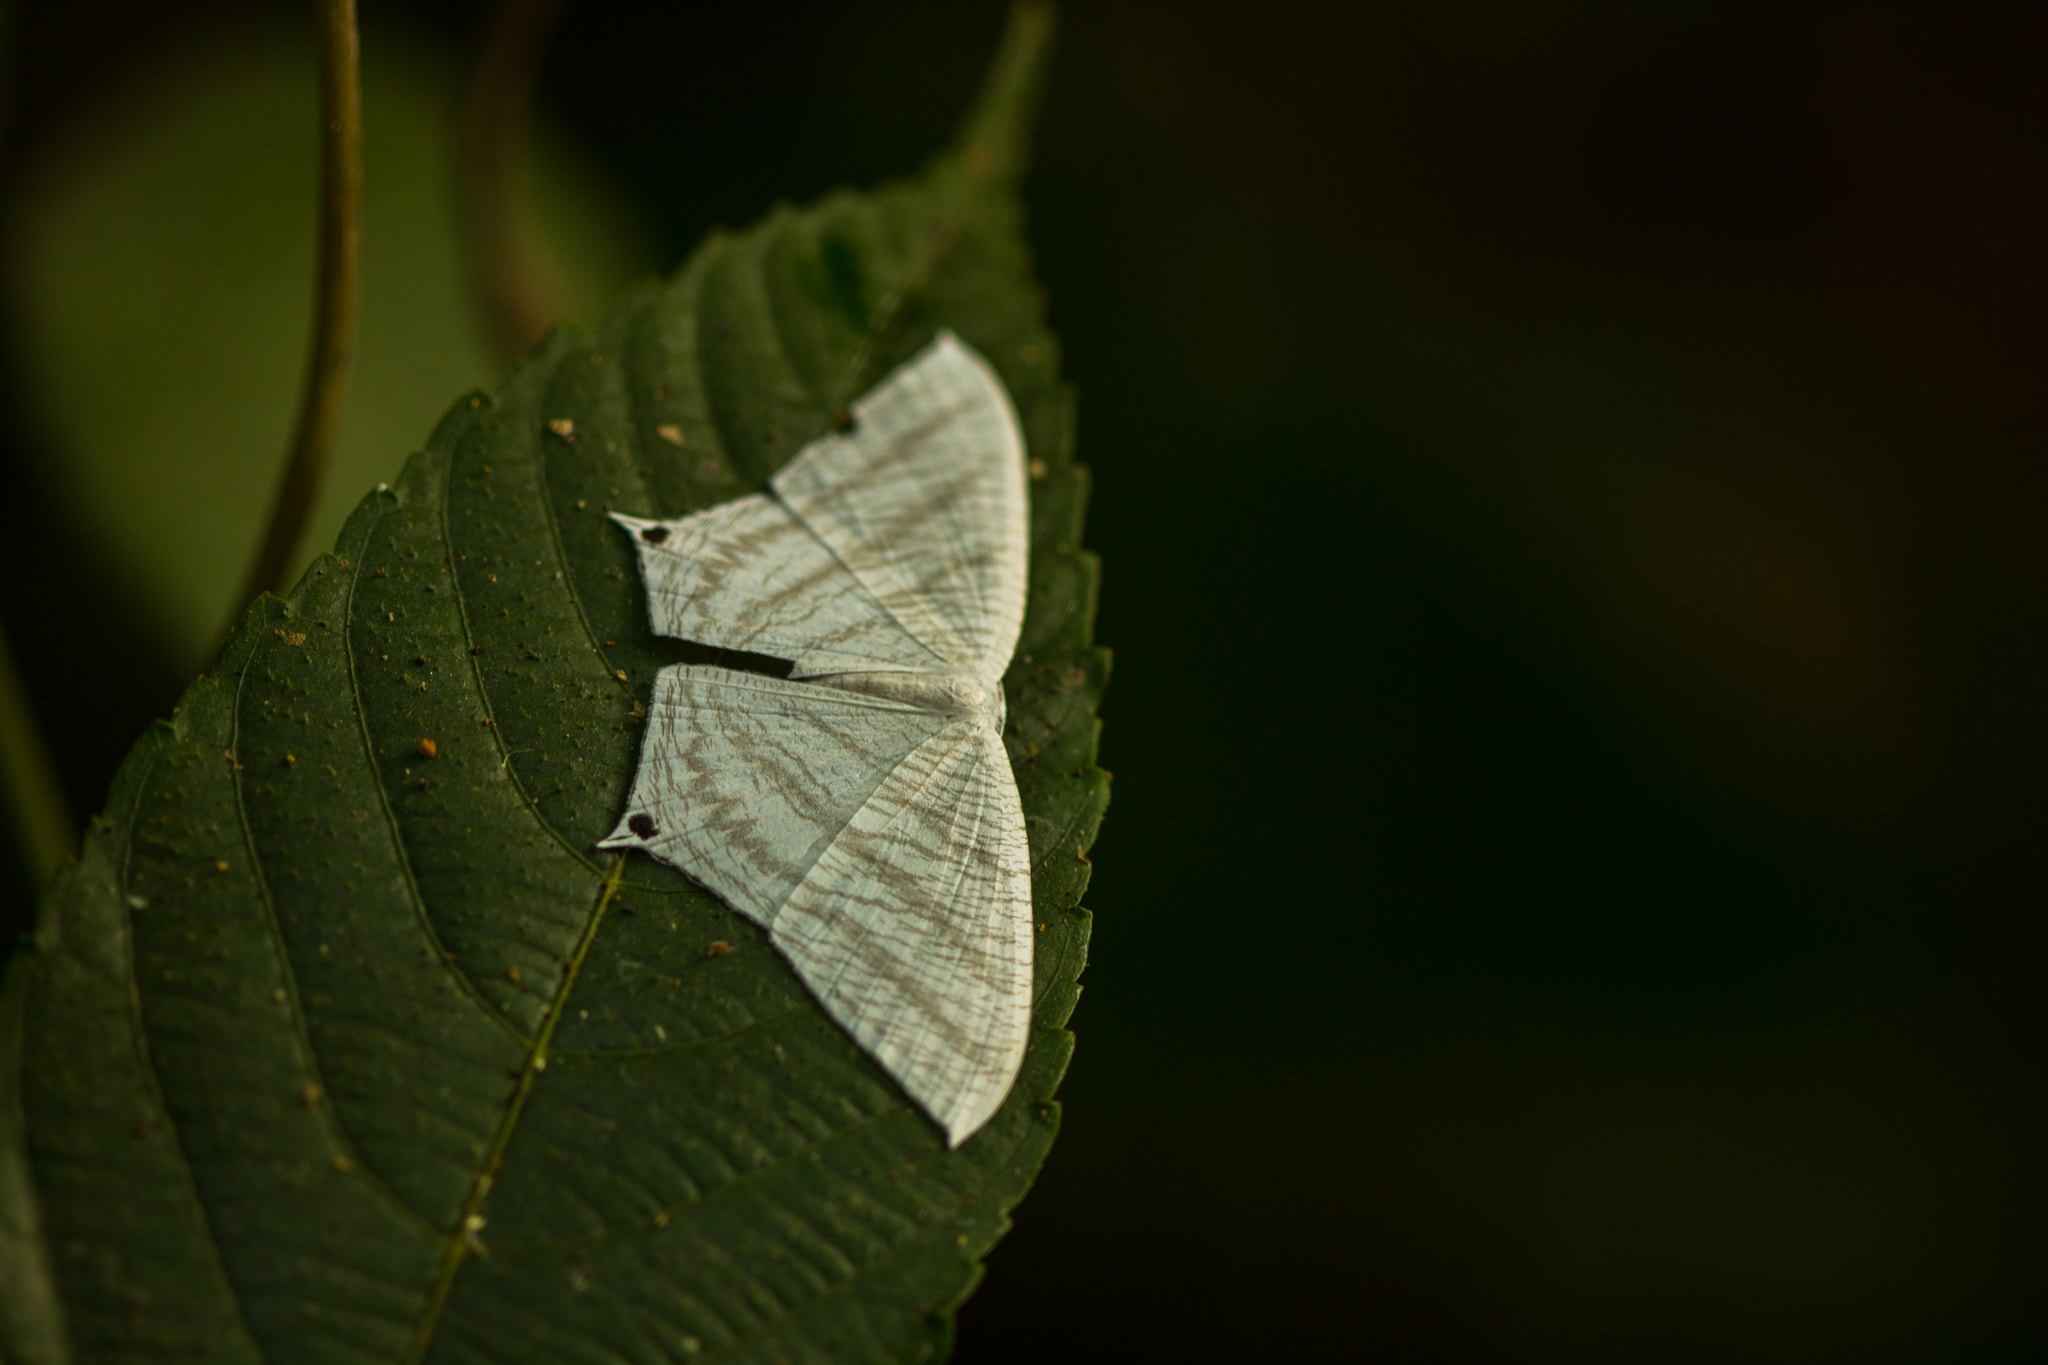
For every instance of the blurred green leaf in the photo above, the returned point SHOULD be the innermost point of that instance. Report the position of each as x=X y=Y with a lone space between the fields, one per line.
x=161 y=273
x=332 y=1051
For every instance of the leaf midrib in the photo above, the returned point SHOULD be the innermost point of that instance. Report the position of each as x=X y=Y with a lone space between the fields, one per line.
x=459 y=1243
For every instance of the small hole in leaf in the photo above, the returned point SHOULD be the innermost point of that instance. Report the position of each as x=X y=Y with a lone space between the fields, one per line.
x=642 y=826
x=654 y=535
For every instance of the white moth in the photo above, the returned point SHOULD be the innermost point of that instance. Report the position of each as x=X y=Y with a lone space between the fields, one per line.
x=863 y=812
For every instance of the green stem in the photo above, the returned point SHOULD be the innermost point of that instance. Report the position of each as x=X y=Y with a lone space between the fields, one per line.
x=994 y=139
x=511 y=266
x=335 y=303
x=42 y=817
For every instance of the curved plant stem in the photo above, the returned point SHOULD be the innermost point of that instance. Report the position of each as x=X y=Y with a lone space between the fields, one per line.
x=42 y=817
x=335 y=304
x=511 y=267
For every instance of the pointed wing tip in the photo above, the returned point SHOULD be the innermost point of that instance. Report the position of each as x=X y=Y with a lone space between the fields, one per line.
x=948 y=346
x=962 y=1126
x=972 y=1110
x=947 y=340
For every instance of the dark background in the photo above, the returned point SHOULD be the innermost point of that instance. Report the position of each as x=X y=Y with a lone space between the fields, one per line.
x=1569 y=481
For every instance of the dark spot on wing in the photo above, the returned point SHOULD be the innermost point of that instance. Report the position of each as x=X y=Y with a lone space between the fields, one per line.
x=654 y=535
x=642 y=826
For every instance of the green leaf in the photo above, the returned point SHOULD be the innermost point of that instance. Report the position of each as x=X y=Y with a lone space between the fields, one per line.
x=330 y=1051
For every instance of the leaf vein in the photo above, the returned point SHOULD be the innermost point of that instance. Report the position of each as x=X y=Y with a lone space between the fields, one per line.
x=462 y=979
x=327 y=1115
x=139 y=1032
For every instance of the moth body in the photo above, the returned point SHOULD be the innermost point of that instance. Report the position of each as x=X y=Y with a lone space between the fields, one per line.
x=956 y=693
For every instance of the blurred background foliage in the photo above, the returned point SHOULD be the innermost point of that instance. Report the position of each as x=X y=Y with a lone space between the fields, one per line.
x=1570 y=483
x=157 y=273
